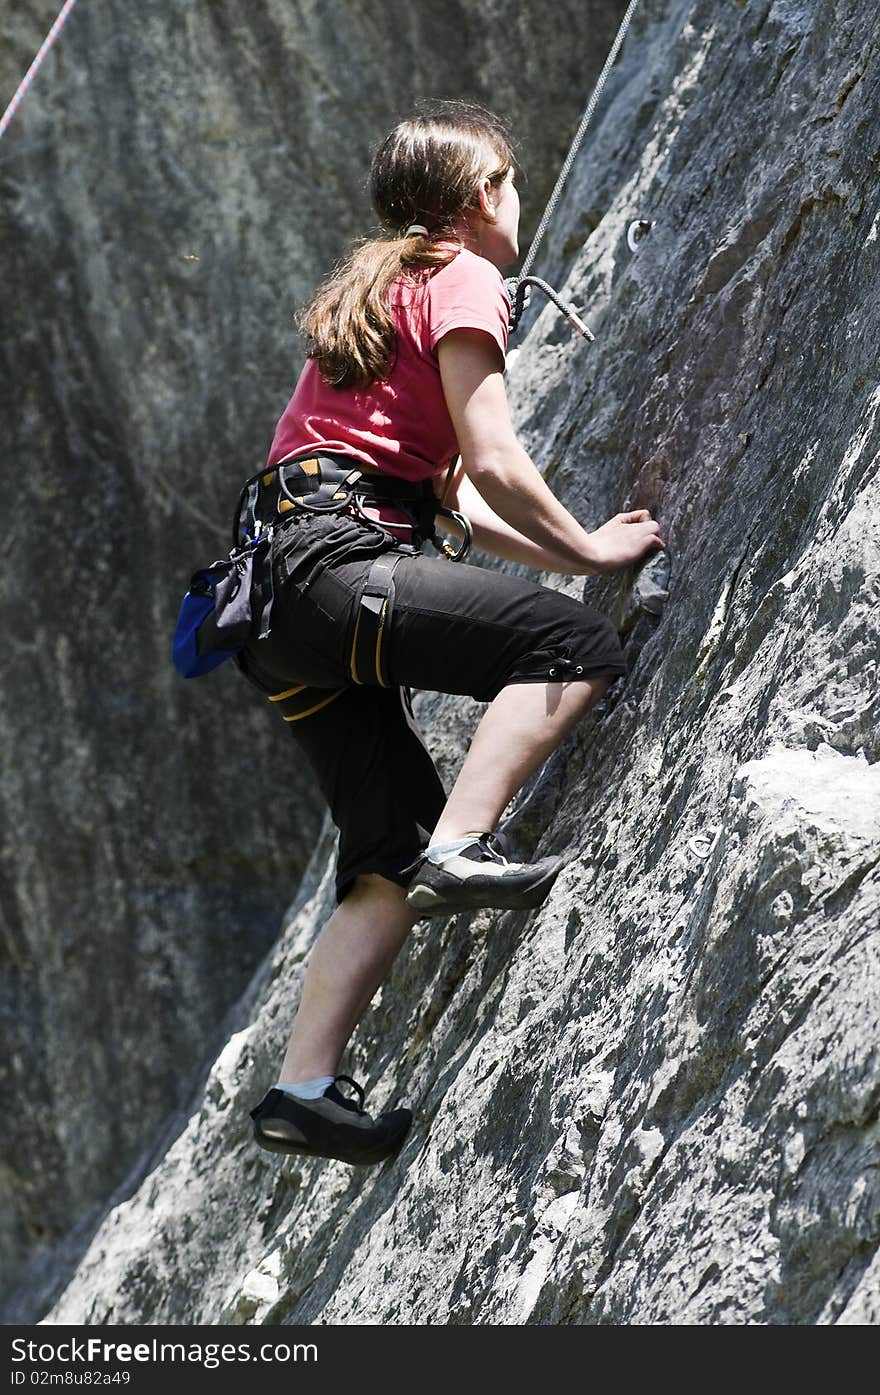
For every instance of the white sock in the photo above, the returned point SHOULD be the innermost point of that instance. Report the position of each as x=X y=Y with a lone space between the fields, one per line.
x=439 y=852
x=306 y=1089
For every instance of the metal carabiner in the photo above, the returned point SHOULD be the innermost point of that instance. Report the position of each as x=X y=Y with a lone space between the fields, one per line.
x=457 y=554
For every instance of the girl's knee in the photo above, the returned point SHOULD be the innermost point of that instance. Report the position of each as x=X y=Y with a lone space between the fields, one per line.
x=374 y=885
x=596 y=687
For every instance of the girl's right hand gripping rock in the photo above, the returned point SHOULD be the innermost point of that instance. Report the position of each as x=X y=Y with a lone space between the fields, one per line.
x=624 y=539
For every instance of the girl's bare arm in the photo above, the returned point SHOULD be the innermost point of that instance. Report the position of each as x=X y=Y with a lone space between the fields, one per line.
x=514 y=512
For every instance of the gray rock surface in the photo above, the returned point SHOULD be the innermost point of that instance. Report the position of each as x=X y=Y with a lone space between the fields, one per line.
x=655 y=1100
x=172 y=187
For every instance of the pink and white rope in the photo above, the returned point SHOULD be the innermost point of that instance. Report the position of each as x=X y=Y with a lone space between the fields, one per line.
x=36 y=65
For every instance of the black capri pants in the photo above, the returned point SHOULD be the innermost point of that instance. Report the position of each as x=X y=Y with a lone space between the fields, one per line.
x=454 y=629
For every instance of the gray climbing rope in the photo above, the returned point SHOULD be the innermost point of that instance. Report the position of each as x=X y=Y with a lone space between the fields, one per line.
x=518 y=291
x=579 y=135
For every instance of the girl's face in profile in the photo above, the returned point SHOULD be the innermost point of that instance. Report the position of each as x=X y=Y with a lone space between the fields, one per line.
x=499 y=238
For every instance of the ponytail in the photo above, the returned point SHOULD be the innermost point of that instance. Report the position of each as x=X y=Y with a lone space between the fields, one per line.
x=349 y=324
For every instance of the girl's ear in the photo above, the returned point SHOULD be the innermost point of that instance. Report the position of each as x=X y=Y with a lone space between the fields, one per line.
x=487 y=199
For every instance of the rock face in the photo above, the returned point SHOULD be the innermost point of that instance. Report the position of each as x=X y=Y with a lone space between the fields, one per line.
x=171 y=189
x=656 y=1099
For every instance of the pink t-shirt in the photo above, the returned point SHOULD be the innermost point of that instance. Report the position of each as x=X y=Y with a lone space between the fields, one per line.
x=401 y=424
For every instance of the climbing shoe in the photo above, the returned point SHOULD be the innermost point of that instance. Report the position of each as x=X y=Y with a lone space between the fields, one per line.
x=476 y=875
x=332 y=1126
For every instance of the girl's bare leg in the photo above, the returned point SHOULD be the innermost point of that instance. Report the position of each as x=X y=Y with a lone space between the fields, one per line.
x=360 y=941
x=518 y=731
x=350 y=958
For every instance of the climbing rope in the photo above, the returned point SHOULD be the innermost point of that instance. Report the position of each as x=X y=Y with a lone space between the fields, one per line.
x=36 y=65
x=520 y=291
x=579 y=135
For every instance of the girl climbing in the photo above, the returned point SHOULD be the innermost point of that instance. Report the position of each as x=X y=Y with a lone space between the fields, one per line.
x=399 y=422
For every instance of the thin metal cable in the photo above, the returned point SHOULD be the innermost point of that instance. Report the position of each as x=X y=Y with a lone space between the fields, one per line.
x=581 y=132
x=36 y=65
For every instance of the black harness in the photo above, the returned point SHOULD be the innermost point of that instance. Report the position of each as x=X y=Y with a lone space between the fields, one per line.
x=331 y=484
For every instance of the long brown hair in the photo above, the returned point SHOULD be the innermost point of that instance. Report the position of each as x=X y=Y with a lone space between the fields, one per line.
x=428 y=170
